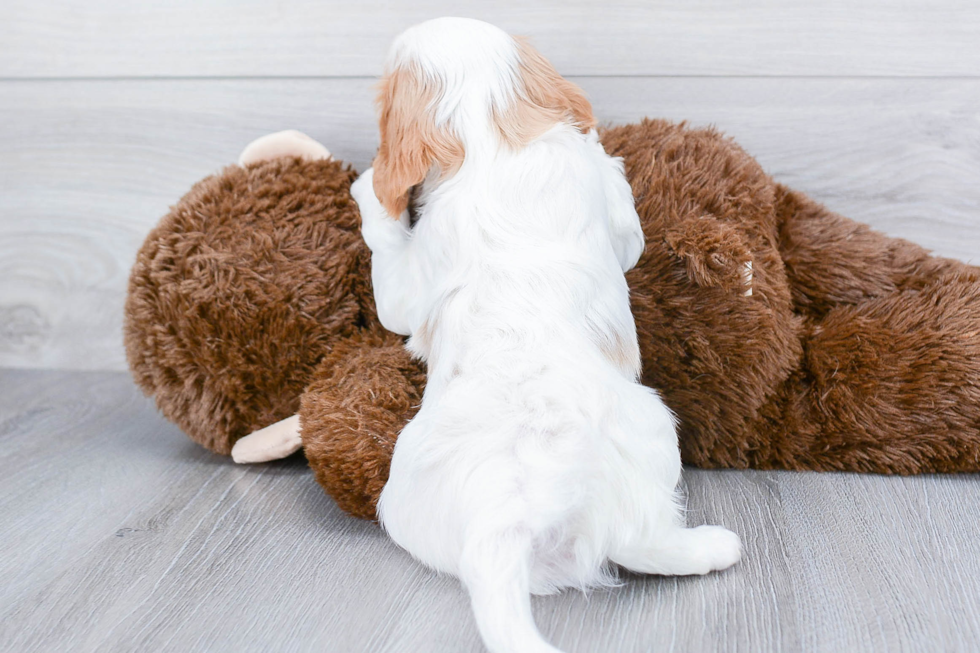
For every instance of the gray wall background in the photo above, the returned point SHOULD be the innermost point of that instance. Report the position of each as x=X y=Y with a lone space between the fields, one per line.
x=109 y=111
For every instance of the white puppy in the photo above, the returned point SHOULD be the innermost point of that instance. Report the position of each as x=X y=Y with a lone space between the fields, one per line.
x=536 y=458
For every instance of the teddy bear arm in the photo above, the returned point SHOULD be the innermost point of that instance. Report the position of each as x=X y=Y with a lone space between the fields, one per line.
x=362 y=395
x=714 y=253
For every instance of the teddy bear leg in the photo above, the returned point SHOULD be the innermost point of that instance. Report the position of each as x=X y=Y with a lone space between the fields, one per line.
x=831 y=260
x=363 y=393
x=892 y=385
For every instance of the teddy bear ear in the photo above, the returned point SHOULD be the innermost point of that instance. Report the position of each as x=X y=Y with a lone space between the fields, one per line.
x=281 y=144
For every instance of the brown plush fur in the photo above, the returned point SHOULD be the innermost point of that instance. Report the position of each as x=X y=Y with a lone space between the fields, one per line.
x=854 y=351
x=362 y=394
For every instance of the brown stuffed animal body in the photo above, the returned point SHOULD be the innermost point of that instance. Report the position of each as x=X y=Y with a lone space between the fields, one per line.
x=782 y=335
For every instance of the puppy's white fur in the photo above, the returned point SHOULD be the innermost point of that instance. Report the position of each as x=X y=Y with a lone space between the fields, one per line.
x=536 y=458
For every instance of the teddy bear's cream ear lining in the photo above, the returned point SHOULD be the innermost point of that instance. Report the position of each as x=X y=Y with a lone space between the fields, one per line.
x=284 y=143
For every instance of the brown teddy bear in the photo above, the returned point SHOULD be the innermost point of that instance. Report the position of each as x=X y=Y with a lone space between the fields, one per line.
x=782 y=335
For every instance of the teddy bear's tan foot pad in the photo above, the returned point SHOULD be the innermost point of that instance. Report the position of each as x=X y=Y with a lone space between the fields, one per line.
x=271 y=443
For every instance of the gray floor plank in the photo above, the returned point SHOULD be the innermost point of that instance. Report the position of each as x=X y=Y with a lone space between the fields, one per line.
x=88 y=167
x=120 y=535
x=908 y=580
x=62 y=38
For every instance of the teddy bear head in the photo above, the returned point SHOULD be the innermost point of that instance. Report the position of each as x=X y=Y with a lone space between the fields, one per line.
x=243 y=287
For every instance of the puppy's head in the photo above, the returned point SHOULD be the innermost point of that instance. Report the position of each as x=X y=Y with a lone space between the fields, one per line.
x=455 y=87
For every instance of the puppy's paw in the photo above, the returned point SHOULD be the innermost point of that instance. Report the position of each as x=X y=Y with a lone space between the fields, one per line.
x=362 y=190
x=717 y=547
x=377 y=227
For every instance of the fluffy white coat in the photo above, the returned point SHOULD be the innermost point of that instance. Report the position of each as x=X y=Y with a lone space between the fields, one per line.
x=536 y=458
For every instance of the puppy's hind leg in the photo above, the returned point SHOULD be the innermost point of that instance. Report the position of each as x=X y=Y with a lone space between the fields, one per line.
x=496 y=571
x=682 y=552
x=660 y=544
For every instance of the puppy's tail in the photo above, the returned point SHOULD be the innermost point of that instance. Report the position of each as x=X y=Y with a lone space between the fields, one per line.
x=496 y=571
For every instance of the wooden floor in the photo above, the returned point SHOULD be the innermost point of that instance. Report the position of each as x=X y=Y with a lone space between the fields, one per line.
x=119 y=534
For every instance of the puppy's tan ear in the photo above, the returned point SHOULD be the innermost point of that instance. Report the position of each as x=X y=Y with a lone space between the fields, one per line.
x=411 y=143
x=545 y=99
